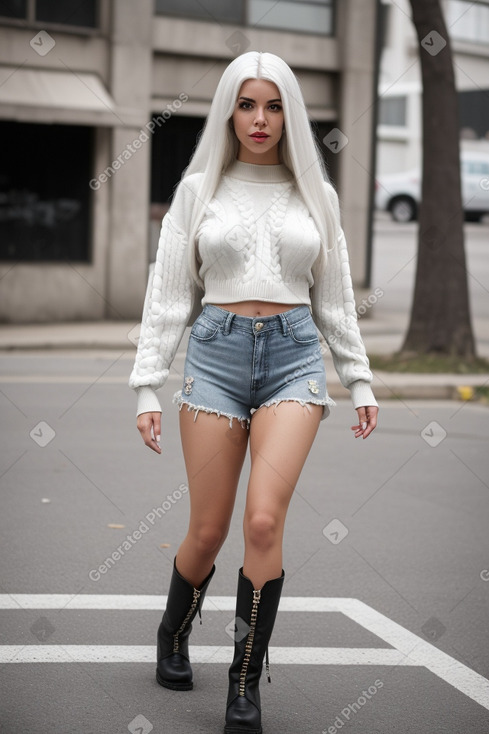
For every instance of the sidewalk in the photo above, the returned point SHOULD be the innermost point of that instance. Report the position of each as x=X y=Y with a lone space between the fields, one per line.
x=381 y=334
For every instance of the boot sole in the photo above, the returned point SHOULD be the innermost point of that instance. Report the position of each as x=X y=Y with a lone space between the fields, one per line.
x=174 y=686
x=241 y=730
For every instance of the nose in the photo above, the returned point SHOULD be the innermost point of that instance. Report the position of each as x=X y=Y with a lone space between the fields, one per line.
x=260 y=117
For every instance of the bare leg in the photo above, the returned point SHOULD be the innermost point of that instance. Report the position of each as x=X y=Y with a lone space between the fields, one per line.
x=280 y=439
x=214 y=455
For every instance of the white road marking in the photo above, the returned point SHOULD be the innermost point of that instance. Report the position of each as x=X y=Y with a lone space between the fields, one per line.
x=199 y=654
x=132 y=602
x=420 y=651
x=408 y=648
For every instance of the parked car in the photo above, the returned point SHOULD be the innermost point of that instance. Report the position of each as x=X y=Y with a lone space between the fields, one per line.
x=400 y=193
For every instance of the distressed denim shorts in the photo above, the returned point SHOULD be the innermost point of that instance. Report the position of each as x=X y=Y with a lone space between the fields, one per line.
x=238 y=364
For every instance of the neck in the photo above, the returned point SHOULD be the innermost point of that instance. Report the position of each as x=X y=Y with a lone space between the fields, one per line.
x=259 y=173
x=268 y=159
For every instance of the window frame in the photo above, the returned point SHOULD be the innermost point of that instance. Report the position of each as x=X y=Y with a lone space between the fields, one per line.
x=30 y=22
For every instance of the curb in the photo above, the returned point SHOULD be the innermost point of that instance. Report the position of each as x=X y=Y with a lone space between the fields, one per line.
x=450 y=390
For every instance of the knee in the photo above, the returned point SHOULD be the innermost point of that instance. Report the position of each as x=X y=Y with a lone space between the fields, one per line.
x=261 y=530
x=209 y=539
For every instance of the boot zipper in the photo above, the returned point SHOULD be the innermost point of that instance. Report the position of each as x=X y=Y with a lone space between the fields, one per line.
x=195 y=601
x=249 y=641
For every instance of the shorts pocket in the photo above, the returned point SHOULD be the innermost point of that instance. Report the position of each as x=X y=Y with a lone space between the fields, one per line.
x=204 y=329
x=304 y=332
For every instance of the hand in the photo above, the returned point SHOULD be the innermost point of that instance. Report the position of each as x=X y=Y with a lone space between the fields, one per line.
x=367 y=420
x=149 y=426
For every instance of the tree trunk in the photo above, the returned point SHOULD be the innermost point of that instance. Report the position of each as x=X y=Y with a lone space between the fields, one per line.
x=440 y=315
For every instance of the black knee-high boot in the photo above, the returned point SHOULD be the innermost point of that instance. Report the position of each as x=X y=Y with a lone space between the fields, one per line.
x=173 y=668
x=258 y=609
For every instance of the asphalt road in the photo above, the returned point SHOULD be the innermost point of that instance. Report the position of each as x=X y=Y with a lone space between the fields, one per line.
x=386 y=550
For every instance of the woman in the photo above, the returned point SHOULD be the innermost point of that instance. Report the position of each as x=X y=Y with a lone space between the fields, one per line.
x=253 y=241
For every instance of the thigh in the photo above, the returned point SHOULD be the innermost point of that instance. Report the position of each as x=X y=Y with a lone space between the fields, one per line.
x=280 y=439
x=214 y=455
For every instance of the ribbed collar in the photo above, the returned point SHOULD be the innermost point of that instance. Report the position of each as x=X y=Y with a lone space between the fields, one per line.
x=258 y=173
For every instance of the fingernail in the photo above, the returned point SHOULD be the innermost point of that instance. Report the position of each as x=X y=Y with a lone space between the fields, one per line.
x=364 y=425
x=158 y=438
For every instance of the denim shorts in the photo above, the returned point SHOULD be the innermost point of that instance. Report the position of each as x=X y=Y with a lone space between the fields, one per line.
x=238 y=364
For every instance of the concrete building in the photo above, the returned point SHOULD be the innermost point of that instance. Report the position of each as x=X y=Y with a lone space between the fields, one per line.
x=100 y=106
x=399 y=131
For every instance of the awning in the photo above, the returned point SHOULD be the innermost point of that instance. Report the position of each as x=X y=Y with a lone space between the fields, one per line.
x=65 y=97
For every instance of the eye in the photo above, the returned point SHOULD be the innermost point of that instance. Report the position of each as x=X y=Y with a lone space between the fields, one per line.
x=244 y=105
x=276 y=106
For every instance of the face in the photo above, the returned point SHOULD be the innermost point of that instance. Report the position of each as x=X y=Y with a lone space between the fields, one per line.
x=258 y=121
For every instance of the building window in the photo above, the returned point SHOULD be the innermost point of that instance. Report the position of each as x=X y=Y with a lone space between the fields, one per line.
x=385 y=22
x=320 y=130
x=172 y=146
x=468 y=21
x=216 y=10
x=473 y=111
x=70 y=12
x=14 y=9
x=392 y=111
x=309 y=16
x=44 y=192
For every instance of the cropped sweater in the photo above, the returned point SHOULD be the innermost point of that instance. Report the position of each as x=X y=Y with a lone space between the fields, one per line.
x=257 y=241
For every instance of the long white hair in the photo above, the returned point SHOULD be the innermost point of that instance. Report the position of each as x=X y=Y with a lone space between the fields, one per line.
x=298 y=148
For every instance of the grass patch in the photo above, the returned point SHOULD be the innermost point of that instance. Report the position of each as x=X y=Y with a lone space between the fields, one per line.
x=429 y=363
x=482 y=394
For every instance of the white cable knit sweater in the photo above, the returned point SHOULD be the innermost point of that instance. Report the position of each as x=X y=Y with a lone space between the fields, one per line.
x=257 y=241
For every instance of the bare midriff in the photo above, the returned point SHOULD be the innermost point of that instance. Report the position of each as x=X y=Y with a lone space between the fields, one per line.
x=256 y=308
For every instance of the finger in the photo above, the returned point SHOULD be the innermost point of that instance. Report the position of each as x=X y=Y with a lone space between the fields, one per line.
x=372 y=412
x=362 y=415
x=362 y=422
x=146 y=428
x=151 y=442
x=154 y=433
x=157 y=427
x=367 y=431
x=155 y=446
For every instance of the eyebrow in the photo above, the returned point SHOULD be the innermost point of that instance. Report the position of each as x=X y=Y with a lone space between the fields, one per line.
x=249 y=99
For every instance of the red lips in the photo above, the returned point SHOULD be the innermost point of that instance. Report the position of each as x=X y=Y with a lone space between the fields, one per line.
x=259 y=135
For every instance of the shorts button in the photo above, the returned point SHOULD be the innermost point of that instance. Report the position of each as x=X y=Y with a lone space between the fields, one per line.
x=259 y=325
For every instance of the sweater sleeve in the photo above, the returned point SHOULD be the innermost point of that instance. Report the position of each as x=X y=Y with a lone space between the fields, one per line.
x=334 y=312
x=169 y=301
